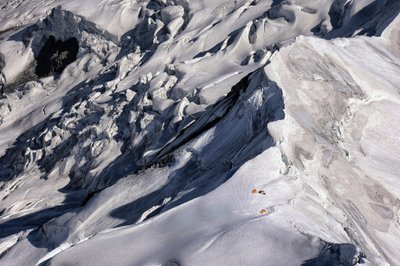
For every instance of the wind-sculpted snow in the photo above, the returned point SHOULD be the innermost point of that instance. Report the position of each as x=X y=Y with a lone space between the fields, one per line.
x=199 y=132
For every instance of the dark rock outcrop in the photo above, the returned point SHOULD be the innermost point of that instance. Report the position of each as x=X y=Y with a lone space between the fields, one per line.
x=55 y=56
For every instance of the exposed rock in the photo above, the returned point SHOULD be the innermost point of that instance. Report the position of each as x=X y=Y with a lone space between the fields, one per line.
x=55 y=56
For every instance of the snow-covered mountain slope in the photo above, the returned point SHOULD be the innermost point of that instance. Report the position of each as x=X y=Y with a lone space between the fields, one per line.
x=200 y=132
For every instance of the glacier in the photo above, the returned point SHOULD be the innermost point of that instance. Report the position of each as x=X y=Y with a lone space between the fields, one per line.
x=183 y=132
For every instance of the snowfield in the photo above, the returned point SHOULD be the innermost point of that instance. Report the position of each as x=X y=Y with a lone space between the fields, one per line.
x=199 y=132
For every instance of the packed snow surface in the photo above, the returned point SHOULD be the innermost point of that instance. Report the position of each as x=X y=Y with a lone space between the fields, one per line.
x=199 y=132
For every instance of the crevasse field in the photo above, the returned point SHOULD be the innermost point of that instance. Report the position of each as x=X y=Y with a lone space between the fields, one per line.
x=199 y=132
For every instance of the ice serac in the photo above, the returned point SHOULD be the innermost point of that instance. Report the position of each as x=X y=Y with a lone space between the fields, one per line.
x=199 y=132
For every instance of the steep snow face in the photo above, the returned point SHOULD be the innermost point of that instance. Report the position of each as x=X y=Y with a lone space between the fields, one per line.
x=200 y=132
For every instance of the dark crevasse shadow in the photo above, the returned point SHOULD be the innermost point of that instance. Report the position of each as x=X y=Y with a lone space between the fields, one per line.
x=371 y=20
x=337 y=13
x=36 y=219
x=199 y=175
x=14 y=162
x=146 y=35
x=208 y=119
x=132 y=160
x=239 y=136
x=192 y=177
x=277 y=2
x=55 y=56
x=217 y=48
x=16 y=159
x=337 y=255
x=54 y=42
